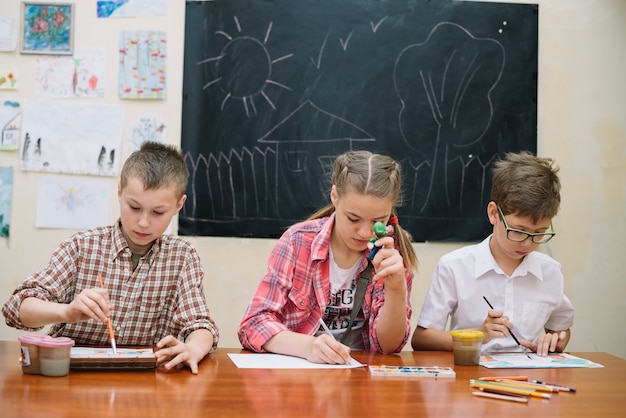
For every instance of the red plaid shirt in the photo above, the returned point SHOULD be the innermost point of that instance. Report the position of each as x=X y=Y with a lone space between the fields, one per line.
x=296 y=289
x=163 y=296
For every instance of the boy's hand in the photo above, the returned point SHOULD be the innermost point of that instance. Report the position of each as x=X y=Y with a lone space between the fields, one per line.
x=550 y=342
x=170 y=352
x=89 y=304
x=495 y=325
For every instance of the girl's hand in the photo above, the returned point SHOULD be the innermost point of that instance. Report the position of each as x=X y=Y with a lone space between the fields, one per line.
x=389 y=265
x=326 y=349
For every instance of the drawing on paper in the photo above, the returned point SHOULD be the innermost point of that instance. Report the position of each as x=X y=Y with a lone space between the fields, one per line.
x=142 y=64
x=81 y=75
x=8 y=79
x=72 y=203
x=130 y=8
x=147 y=128
x=100 y=352
x=73 y=138
x=10 y=124
x=6 y=199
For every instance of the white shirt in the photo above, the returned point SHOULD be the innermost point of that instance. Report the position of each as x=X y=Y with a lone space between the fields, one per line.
x=339 y=308
x=532 y=297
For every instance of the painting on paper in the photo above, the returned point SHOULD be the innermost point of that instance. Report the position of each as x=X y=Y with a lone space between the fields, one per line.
x=66 y=137
x=81 y=75
x=10 y=125
x=130 y=8
x=47 y=28
x=6 y=199
x=8 y=79
x=68 y=202
x=147 y=128
x=142 y=64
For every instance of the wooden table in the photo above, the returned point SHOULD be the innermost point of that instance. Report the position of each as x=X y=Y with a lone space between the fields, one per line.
x=222 y=390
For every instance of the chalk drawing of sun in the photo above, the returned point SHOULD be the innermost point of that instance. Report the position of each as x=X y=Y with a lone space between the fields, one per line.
x=244 y=69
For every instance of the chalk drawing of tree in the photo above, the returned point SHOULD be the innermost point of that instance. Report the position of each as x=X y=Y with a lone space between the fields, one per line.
x=458 y=109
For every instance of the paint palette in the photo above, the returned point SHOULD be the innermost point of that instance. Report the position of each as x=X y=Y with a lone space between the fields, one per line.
x=412 y=371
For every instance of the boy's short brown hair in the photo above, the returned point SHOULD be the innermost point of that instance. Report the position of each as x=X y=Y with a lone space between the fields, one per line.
x=526 y=185
x=157 y=165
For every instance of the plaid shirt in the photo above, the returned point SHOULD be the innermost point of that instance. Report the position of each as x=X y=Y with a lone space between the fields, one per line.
x=296 y=290
x=163 y=296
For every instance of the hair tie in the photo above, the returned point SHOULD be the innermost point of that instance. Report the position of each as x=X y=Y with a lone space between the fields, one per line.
x=393 y=220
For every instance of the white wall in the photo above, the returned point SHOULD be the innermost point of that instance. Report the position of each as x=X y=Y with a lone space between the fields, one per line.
x=582 y=124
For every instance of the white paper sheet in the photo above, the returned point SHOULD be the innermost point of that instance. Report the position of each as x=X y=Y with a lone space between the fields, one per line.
x=279 y=361
x=8 y=33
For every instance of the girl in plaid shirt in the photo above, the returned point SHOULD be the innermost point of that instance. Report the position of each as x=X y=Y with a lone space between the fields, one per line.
x=313 y=269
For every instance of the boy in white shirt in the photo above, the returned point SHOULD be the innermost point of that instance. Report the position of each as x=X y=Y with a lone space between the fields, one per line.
x=524 y=286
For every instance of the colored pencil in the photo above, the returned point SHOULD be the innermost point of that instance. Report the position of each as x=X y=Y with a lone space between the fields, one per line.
x=323 y=324
x=559 y=387
x=538 y=386
x=509 y=388
x=512 y=398
x=494 y=378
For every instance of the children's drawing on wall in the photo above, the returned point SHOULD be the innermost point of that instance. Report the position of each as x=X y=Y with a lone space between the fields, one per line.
x=8 y=79
x=130 y=8
x=10 y=125
x=69 y=202
x=274 y=92
x=81 y=75
x=72 y=138
x=147 y=128
x=142 y=64
x=47 y=28
x=6 y=199
x=8 y=33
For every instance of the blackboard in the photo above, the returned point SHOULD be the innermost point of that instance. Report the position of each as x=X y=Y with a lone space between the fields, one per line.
x=274 y=90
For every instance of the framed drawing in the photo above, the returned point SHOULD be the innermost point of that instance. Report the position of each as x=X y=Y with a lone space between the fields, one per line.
x=47 y=28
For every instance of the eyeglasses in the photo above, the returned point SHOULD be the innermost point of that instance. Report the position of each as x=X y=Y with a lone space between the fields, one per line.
x=520 y=236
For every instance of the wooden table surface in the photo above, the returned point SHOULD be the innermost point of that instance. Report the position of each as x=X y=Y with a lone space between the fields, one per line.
x=222 y=390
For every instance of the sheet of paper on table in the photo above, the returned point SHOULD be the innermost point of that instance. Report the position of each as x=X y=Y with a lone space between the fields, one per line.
x=520 y=361
x=279 y=361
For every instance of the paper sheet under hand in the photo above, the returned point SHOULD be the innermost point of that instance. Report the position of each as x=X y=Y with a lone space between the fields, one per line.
x=279 y=361
x=520 y=361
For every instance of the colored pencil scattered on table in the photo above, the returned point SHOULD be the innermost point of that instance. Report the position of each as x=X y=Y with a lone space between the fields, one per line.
x=510 y=387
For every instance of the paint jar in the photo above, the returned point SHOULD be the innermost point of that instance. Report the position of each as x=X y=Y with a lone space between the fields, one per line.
x=466 y=345
x=45 y=355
